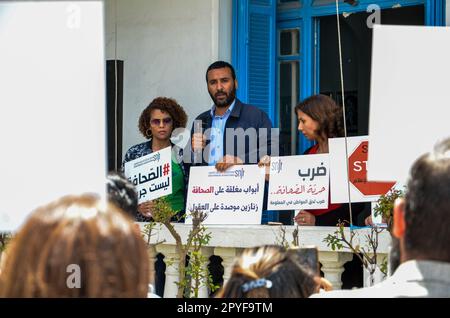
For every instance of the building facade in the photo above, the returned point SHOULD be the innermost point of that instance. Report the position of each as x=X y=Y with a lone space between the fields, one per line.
x=283 y=52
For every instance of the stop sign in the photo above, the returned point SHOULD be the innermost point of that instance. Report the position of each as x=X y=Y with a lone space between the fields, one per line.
x=358 y=173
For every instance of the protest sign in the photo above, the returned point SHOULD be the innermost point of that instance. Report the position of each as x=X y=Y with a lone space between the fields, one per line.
x=299 y=182
x=151 y=175
x=231 y=197
x=361 y=190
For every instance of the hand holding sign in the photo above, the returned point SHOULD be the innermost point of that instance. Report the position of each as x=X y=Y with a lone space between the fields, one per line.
x=146 y=208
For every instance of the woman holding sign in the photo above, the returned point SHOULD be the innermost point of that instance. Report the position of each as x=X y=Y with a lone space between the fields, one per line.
x=156 y=123
x=319 y=118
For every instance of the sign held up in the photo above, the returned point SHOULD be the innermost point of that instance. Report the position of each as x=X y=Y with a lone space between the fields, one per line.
x=361 y=190
x=299 y=182
x=151 y=174
x=231 y=197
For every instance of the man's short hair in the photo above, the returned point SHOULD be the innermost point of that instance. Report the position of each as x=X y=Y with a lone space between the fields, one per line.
x=220 y=64
x=427 y=209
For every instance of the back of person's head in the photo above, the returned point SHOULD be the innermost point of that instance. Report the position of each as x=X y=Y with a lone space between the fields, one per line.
x=77 y=246
x=268 y=272
x=221 y=64
x=427 y=208
x=122 y=193
x=326 y=112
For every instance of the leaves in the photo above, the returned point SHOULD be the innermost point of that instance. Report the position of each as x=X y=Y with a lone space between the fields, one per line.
x=162 y=211
x=385 y=205
x=4 y=240
x=196 y=274
x=197 y=269
x=334 y=241
x=338 y=240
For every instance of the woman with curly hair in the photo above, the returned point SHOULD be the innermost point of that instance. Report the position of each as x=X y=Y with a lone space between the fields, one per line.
x=156 y=123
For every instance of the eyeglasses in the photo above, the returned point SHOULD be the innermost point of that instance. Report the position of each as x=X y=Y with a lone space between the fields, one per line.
x=157 y=122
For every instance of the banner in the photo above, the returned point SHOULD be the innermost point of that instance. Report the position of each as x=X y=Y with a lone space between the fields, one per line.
x=151 y=174
x=231 y=197
x=299 y=182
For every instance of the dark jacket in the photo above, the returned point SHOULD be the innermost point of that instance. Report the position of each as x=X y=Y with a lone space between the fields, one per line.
x=242 y=116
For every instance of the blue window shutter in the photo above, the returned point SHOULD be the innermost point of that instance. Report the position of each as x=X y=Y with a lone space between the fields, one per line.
x=255 y=53
x=254 y=57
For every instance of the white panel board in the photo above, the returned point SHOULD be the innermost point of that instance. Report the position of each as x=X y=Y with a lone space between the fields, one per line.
x=52 y=104
x=409 y=106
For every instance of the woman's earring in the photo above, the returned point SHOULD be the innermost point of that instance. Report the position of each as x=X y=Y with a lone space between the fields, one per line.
x=148 y=132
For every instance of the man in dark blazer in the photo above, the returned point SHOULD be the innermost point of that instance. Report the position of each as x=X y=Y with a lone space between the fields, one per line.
x=231 y=132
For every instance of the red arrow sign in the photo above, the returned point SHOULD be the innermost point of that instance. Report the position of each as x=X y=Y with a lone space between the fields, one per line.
x=358 y=173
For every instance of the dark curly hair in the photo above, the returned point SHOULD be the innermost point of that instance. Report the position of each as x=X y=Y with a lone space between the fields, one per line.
x=122 y=193
x=164 y=104
x=326 y=112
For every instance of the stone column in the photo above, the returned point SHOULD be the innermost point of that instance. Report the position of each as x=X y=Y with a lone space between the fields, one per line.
x=152 y=259
x=333 y=266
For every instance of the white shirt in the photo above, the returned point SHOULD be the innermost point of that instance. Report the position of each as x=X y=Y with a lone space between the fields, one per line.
x=411 y=279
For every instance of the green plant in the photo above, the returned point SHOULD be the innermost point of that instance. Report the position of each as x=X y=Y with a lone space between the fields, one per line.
x=4 y=240
x=338 y=240
x=385 y=206
x=282 y=240
x=368 y=256
x=196 y=271
x=148 y=232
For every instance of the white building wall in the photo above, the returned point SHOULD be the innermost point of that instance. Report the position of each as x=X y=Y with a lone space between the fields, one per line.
x=166 y=46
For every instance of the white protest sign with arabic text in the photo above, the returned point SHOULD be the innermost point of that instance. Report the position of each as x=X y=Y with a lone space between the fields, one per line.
x=231 y=197
x=151 y=174
x=299 y=182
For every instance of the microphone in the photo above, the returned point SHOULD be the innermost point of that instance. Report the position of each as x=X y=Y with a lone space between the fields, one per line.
x=198 y=129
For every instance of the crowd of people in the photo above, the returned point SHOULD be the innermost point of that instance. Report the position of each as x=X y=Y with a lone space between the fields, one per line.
x=85 y=246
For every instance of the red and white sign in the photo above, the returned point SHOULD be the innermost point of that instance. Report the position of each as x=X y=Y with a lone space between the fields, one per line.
x=299 y=182
x=361 y=190
x=234 y=196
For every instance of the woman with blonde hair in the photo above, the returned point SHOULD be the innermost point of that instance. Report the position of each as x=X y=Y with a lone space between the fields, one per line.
x=77 y=246
x=269 y=272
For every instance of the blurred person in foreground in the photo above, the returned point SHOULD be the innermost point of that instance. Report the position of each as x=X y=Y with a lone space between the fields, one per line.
x=422 y=226
x=269 y=272
x=77 y=246
x=122 y=193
